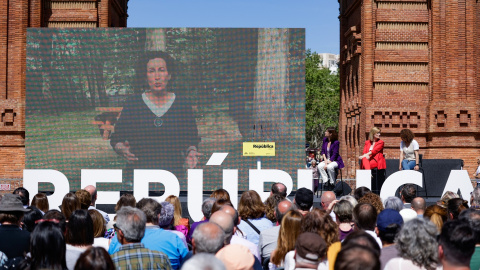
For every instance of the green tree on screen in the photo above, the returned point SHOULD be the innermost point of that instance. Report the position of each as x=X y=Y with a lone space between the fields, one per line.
x=322 y=102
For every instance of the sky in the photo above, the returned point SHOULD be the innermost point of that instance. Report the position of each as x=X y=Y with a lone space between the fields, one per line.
x=319 y=18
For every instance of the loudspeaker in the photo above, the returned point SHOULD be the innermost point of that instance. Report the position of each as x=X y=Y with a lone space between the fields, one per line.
x=342 y=192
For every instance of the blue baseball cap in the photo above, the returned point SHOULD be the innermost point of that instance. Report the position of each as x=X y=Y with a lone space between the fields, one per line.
x=387 y=217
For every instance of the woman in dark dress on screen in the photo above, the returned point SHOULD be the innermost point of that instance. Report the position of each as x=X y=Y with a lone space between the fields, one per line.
x=157 y=129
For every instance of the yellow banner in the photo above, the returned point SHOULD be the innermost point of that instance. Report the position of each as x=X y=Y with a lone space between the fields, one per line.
x=258 y=149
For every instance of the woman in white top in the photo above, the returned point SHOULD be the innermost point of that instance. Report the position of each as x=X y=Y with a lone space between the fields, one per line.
x=409 y=158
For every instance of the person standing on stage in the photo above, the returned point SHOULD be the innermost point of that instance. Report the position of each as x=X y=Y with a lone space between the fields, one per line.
x=373 y=151
x=331 y=156
x=409 y=157
x=477 y=172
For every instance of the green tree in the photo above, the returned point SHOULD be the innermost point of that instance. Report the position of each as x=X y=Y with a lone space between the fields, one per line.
x=322 y=102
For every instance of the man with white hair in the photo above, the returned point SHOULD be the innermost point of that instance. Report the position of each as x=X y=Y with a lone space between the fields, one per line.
x=130 y=229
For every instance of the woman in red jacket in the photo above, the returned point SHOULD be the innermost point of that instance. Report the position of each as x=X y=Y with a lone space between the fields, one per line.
x=373 y=152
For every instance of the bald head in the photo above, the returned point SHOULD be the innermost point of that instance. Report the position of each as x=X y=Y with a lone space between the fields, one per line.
x=418 y=204
x=232 y=213
x=327 y=198
x=207 y=237
x=93 y=191
x=225 y=221
x=282 y=208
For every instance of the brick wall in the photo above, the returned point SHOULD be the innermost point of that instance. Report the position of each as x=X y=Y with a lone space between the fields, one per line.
x=418 y=68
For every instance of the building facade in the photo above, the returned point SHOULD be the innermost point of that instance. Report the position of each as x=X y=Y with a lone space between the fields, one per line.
x=410 y=64
x=15 y=17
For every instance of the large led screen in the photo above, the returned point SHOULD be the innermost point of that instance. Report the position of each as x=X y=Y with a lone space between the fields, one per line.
x=164 y=99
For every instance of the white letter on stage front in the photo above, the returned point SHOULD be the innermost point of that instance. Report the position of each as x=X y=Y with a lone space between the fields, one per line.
x=141 y=179
x=92 y=177
x=304 y=179
x=459 y=180
x=195 y=194
x=31 y=178
x=230 y=184
x=257 y=178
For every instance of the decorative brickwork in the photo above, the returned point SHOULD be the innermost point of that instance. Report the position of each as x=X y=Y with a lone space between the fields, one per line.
x=410 y=64
x=15 y=17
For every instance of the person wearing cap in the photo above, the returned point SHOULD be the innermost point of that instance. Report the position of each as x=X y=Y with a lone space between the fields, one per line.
x=15 y=242
x=303 y=200
x=310 y=253
x=389 y=223
x=166 y=219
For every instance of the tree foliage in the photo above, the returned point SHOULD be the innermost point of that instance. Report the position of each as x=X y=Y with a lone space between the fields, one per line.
x=322 y=102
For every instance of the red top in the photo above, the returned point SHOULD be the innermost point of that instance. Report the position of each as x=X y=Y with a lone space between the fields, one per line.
x=377 y=154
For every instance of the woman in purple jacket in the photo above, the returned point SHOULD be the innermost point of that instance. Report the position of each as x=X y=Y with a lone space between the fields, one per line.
x=331 y=156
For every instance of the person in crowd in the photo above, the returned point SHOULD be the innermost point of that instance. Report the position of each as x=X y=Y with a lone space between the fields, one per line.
x=331 y=157
x=208 y=237
x=361 y=237
x=409 y=157
x=472 y=217
x=360 y=192
x=158 y=112
x=374 y=200
x=365 y=218
x=79 y=236
x=47 y=248
x=419 y=205
x=327 y=201
x=126 y=199
x=219 y=203
x=270 y=204
x=289 y=231
x=40 y=201
x=133 y=254
x=180 y=223
x=408 y=214
x=475 y=198
x=252 y=213
x=456 y=245
x=203 y=261
x=455 y=207
x=99 y=229
x=303 y=200
x=394 y=203
x=280 y=189
x=407 y=194
x=238 y=237
x=437 y=215
x=417 y=246
x=225 y=221
x=372 y=158
x=93 y=193
x=350 y=199
x=354 y=257
x=15 y=242
x=156 y=238
x=70 y=203
x=30 y=218
x=343 y=210
x=207 y=211
x=310 y=253
x=95 y=258
x=443 y=202
x=24 y=195
x=221 y=194
x=236 y=257
x=58 y=217
x=315 y=175
x=166 y=218
x=84 y=198
x=476 y=174
x=389 y=223
x=269 y=237
x=320 y=222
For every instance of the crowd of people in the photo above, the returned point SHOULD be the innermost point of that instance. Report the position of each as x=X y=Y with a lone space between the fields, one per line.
x=351 y=232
